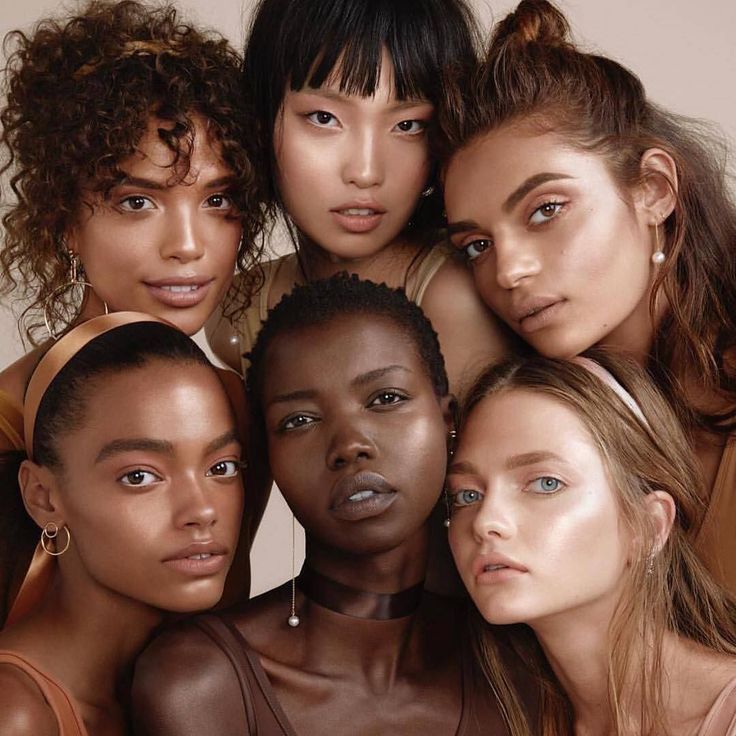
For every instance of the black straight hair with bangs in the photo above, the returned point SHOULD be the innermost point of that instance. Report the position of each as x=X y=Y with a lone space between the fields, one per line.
x=305 y=43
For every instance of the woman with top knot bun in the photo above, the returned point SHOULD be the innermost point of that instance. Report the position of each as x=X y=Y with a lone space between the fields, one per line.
x=592 y=217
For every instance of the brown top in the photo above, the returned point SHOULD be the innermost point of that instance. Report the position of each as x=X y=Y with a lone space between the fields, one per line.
x=265 y=716
x=249 y=324
x=61 y=703
x=11 y=423
x=716 y=541
x=721 y=718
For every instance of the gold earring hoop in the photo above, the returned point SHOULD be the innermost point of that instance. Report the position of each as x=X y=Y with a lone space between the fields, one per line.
x=49 y=534
x=75 y=282
x=658 y=257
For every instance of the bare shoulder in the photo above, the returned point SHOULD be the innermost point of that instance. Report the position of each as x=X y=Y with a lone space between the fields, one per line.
x=470 y=334
x=23 y=708
x=222 y=337
x=184 y=683
x=14 y=378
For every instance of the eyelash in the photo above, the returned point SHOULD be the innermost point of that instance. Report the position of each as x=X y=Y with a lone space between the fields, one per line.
x=457 y=503
x=559 y=487
x=315 y=121
x=557 y=208
x=127 y=200
x=397 y=398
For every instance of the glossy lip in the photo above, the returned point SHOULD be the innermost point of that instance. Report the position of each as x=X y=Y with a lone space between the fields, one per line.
x=343 y=508
x=218 y=559
x=180 y=299
x=533 y=314
x=358 y=223
x=510 y=568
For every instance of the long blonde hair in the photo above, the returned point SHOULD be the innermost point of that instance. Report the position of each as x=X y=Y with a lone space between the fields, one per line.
x=670 y=592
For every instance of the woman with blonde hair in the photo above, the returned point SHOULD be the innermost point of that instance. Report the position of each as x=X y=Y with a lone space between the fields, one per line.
x=575 y=495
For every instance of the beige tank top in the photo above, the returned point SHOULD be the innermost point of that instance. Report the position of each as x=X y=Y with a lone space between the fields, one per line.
x=252 y=319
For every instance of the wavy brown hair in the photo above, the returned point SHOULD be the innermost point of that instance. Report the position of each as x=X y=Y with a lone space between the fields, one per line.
x=80 y=92
x=532 y=71
x=677 y=595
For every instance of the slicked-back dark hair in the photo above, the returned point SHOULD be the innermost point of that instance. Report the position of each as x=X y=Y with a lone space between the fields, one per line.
x=298 y=43
x=343 y=295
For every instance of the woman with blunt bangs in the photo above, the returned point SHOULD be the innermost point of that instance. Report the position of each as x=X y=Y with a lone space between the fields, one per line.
x=131 y=477
x=345 y=93
x=133 y=189
x=574 y=495
x=591 y=216
x=348 y=383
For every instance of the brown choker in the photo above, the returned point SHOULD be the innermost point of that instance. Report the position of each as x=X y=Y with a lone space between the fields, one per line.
x=358 y=603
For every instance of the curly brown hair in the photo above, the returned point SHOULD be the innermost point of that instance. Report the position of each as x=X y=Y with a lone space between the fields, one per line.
x=80 y=92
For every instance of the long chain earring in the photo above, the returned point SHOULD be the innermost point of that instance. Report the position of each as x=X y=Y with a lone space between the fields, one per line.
x=293 y=620
x=75 y=283
x=658 y=256
x=50 y=533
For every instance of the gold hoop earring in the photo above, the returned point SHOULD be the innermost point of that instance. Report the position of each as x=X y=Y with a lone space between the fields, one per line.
x=658 y=256
x=75 y=281
x=49 y=534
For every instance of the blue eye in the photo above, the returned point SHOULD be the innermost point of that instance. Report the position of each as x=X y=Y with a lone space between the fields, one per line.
x=476 y=248
x=139 y=478
x=224 y=469
x=546 y=484
x=322 y=118
x=545 y=213
x=466 y=497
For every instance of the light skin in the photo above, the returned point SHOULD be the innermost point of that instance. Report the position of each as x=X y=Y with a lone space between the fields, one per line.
x=150 y=488
x=343 y=399
x=559 y=250
x=351 y=170
x=156 y=244
x=538 y=539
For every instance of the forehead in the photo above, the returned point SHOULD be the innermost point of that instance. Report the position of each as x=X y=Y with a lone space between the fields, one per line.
x=514 y=421
x=336 y=351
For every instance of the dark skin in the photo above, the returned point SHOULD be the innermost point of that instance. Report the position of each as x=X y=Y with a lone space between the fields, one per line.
x=348 y=396
x=152 y=469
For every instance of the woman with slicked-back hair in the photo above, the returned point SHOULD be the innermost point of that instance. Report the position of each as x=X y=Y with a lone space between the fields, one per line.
x=591 y=216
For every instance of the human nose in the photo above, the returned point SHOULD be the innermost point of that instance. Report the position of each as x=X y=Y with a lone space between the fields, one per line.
x=195 y=504
x=364 y=164
x=349 y=445
x=182 y=239
x=494 y=518
x=515 y=261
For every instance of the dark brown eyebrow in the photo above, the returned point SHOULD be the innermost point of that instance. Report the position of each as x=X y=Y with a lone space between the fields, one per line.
x=530 y=458
x=305 y=393
x=142 y=183
x=462 y=226
x=374 y=375
x=527 y=186
x=223 y=440
x=145 y=444
x=463 y=467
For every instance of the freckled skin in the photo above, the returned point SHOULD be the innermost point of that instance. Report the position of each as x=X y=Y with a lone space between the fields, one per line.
x=574 y=238
x=571 y=542
x=141 y=234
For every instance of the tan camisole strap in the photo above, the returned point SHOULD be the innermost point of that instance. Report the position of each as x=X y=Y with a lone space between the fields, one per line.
x=422 y=274
x=721 y=719
x=60 y=702
x=11 y=423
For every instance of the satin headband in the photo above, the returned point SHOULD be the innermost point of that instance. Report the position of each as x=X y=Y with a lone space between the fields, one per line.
x=607 y=377
x=60 y=353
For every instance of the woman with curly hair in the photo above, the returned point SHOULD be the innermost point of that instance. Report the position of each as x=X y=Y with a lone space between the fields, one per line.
x=132 y=187
x=593 y=217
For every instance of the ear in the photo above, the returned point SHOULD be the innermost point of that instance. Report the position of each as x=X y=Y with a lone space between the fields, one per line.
x=39 y=489
x=661 y=509
x=658 y=189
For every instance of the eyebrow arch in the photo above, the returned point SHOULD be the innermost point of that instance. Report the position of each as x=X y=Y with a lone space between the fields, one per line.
x=305 y=393
x=462 y=226
x=463 y=467
x=222 y=441
x=143 y=183
x=374 y=375
x=529 y=458
x=145 y=444
x=531 y=183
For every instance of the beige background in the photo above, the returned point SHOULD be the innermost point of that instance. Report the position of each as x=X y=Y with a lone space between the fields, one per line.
x=682 y=50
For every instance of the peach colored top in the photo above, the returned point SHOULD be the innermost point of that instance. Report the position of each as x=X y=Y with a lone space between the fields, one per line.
x=11 y=423
x=61 y=703
x=716 y=541
x=721 y=718
x=249 y=324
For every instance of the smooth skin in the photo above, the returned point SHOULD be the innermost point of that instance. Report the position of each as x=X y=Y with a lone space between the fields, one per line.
x=341 y=398
x=338 y=152
x=538 y=539
x=152 y=476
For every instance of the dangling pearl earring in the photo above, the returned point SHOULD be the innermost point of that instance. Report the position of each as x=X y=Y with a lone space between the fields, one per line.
x=658 y=256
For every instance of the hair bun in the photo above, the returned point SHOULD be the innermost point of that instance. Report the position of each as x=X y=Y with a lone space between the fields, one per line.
x=533 y=22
